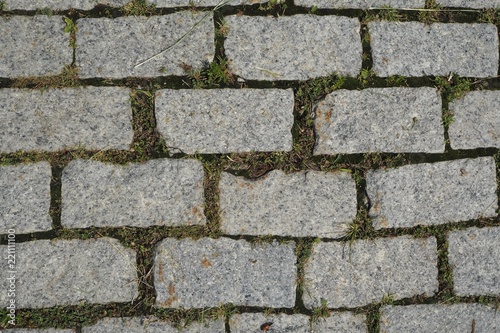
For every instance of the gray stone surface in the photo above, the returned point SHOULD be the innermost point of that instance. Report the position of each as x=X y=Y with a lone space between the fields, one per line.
x=465 y=49
x=176 y=3
x=386 y=119
x=341 y=322
x=470 y=3
x=38 y=330
x=157 y=192
x=54 y=119
x=33 y=46
x=151 y=325
x=60 y=4
x=281 y=323
x=476 y=121
x=301 y=204
x=363 y=4
x=226 y=120
x=210 y=272
x=70 y=272
x=474 y=256
x=432 y=193
x=25 y=198
x=295 y=47
x=434 y=318
x=363 y=272
x=111 y=48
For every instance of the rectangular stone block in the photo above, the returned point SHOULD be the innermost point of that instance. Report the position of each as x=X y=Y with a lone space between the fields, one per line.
x=383 y=119
x=363 y=272
x=474 y=256
x=60 y=4
x=362 y=4
x=39 y=330
x=158 y=192
x=297 y=47
x=476 y=120
x=25 y=198
x=257 y=322
x=341 y=322
x=469 y=50
x=432 y=193
x=202 y=3
x=151 y=325
x=425 y=318
x=33 y=46
x=69 y=272
x=210 y=272
x=312 y=203
x=469 y=3
x=218 y=121
x=68 y=118
x=111 y=48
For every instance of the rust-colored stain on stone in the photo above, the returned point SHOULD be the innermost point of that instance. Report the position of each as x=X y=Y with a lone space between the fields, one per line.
x=383 y=222
x=160 y=272
x=197 y=212
x=171 y=291
x=206 y=263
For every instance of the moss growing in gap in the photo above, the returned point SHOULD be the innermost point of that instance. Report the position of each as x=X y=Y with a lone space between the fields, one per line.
x=67 y=78
x=138 y=8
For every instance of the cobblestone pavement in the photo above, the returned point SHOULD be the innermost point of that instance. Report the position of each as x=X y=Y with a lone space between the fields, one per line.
x=249 y=166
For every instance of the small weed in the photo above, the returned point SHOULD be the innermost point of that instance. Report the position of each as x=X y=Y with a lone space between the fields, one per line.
x=385 y=13
x=396 y=80
x=366 y=76
x=138 y=8
x=212 y=75
x=222 y=29
x=431 y=12
x=490 y=15
x=277 y=5
x=45 y=11
x=313 y=10
x=453 y=87
x=321 y=312
x=387 y=299
x=71 y=28
x=310 y=92
x=68 y=78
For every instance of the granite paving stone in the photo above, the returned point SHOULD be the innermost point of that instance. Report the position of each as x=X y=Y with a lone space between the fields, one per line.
x=469 y=3
x=25 y=198
x=55 y=119
x=157 y=192
x=60 y=4
x=432 y=193
x=364 y=271
x=469 y=50
x=210 y=272
x=281 y=323
x=297 y=47
x=341 y=322
x=386 y=119
x=207 y=3
x=300 y=204
x=362 y=4
x=151 y=325
x=39 y=330
x=476 y=120
x=70 y=272
x=225 y=120
x=33 y=46
x=111 y=48
x=425 y=318
x=474 y=255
